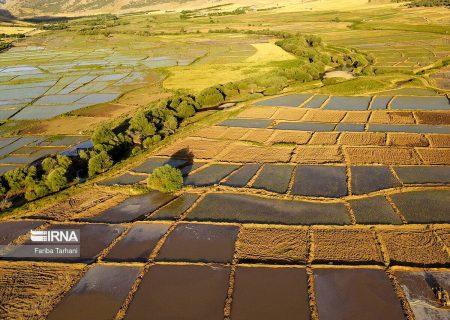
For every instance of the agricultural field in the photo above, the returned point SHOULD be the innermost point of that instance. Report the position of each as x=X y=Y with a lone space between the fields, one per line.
x=306 y=150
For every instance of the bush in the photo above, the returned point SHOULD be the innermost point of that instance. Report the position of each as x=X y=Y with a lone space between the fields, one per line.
x=165 y=179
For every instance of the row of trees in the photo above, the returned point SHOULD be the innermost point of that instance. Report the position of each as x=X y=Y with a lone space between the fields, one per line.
x=51 y=175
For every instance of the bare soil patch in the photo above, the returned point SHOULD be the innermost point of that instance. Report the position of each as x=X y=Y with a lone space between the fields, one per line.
x=435 y=155
x=79 y=204
x=200 y=148
x=329 y=116
x=392 y=117
x=356 y=117
x=297 y=137
x=433 y=117
x=257 y=135
x=273 y=244
x=318 y=154
x=324 y=138
x=362 y=139
x=29 y=290
x=382 y=155
x=257 y=113
x=407 y=140
x=289 y=114
x=215 y=132
x=346 y=246
x=245 y=153
x=414 y=247
x=234 y=133
x=439 y=140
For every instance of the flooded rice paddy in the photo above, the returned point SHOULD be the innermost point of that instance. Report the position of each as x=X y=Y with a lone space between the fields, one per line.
x=40 y=83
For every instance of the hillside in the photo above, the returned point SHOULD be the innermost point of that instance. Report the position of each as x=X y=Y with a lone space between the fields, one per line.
x=23 y=8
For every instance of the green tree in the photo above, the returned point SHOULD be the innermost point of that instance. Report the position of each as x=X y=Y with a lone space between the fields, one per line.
x=139 y=123
x=211 y=96
x=56 y=179
x=63 y=161
x=184 y=110
x=16 y=179
x=170 y=126
x=36 y=191
x=230 y=90
x=150 y=141
x=165 y=179
x=99 y=163
x=103 y=135
x=48 y=164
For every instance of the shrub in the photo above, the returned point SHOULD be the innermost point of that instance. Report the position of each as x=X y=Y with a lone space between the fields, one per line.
x=165 y=179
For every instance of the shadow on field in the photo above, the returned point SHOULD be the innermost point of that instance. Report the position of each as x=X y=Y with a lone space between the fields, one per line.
x=184 y=154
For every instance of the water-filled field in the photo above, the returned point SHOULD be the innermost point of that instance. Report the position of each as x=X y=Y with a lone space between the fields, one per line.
x=40 y=83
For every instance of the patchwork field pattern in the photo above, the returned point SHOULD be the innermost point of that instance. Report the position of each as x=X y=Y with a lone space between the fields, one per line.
x=19 y=151
x=39 y=83
x=355 y=213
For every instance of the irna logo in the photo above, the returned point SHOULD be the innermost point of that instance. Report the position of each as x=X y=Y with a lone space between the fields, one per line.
x=55 y=235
